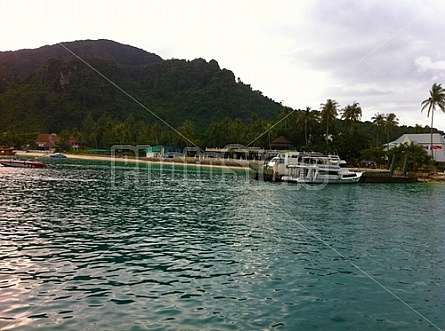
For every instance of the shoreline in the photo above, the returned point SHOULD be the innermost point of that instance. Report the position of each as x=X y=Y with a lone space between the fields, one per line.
x=432 y=180
x=215 y=163
x=205 y=163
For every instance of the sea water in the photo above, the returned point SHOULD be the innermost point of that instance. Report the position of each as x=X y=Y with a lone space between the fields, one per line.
x=115 y=246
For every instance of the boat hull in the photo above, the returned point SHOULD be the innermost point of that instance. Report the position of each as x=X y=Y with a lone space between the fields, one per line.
x=57 y=156
x=311 y=168
x=22 y=164
x=7 y=153
x=323 y=180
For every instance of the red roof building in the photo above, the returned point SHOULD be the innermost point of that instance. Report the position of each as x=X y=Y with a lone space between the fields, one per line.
x=47 y=141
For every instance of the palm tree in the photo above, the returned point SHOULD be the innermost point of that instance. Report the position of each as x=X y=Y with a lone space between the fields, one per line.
x=391 y=121
x=329 y=112
x=269 y=128
x=288 y=114
x=95 y=131
x=437 y=98
x=352 y=114
x=187 y=133
x=305 y=122
x=77 y=135
x=379 y=121
x=214 y=133
x=157 y=133
x=239 y=131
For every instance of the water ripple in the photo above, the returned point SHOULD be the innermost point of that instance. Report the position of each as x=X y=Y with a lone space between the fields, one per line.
x=87 y=248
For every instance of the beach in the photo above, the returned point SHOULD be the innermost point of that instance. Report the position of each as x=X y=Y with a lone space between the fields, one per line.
x=219 y=163
x=180 y=161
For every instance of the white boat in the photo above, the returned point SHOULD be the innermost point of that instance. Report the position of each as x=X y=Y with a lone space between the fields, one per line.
x=58 y=156
x=312 y=168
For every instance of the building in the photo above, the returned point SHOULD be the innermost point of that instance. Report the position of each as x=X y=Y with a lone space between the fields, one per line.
x=281 y=143
x=162 y=151
x=424 y=140
x=236 y=151
x=46 y=141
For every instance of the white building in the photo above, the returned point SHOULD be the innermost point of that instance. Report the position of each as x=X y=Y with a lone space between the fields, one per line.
x=424 y=140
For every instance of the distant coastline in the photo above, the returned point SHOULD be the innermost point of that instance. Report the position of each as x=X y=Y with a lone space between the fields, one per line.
x=217 y=163
x=179 y=161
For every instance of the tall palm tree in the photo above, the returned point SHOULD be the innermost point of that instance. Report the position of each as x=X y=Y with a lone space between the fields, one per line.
x=269 y=128
x=391 y=121
x=188 y=133
x=305 y=122
x=329 y=112
x=239 y=131
x=379 y=121
x=288 y=114
x=352 y=114
x=436 y=99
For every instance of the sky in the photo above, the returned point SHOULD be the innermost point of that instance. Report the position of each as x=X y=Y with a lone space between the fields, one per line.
x=383 y=54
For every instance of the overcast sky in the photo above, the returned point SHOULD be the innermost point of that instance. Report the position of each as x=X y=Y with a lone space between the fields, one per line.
x=383 y=54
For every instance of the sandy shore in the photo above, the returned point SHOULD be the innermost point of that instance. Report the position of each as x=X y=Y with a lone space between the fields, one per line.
x=432 y=179
x=228 y=164
x=179 y=161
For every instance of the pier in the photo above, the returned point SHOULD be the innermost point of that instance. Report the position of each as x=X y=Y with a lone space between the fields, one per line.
x=387 y=177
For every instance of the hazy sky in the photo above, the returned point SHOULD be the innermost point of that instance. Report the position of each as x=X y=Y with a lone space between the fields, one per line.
x=383 y=54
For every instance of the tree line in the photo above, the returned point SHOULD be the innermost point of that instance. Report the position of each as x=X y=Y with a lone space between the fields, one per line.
x=329 y=129
x=204 y=105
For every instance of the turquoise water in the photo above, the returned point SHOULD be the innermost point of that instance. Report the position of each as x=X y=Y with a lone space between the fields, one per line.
x=87 y=246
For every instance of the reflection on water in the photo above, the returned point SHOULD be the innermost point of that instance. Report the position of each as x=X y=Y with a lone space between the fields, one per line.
x=83 y=246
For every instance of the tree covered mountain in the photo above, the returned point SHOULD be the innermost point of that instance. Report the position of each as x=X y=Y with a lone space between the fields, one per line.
x=55 y=88
x=105 y=93
x=16 y=66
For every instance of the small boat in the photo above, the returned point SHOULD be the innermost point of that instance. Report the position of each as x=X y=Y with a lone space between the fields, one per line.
x=312 y=168
x=22 y=164
x=58 y=156
x=7 y=151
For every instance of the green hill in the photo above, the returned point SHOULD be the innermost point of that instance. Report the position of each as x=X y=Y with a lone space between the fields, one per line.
x=105 y=93
x=49 y=89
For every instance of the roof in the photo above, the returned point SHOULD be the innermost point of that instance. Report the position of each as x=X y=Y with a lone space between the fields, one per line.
x=50 y=140
x=47 y=140
x=420 y=138
x=424 y=139
x=281 y=141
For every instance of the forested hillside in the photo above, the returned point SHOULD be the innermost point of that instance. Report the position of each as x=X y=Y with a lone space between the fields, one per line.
x=49 y=89
x=105 y=93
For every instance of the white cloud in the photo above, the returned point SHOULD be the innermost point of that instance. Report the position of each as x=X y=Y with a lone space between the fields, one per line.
x=424 y=63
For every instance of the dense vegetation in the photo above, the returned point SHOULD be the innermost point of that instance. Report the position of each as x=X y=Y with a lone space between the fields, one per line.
x=116 y=94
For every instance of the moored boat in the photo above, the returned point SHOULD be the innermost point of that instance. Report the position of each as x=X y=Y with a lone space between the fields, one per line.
x=312 y=168
x=7 y=150
x=58 y=156
x=22 y=164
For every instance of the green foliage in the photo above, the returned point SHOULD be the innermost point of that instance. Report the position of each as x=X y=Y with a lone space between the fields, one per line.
x=19 y=140
x=64 y=144
x=417 y=157
x=390 y=121
x=376 y=154
x=350 y=144
x=351 y=114
x=63 y=91
x=436 y=100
